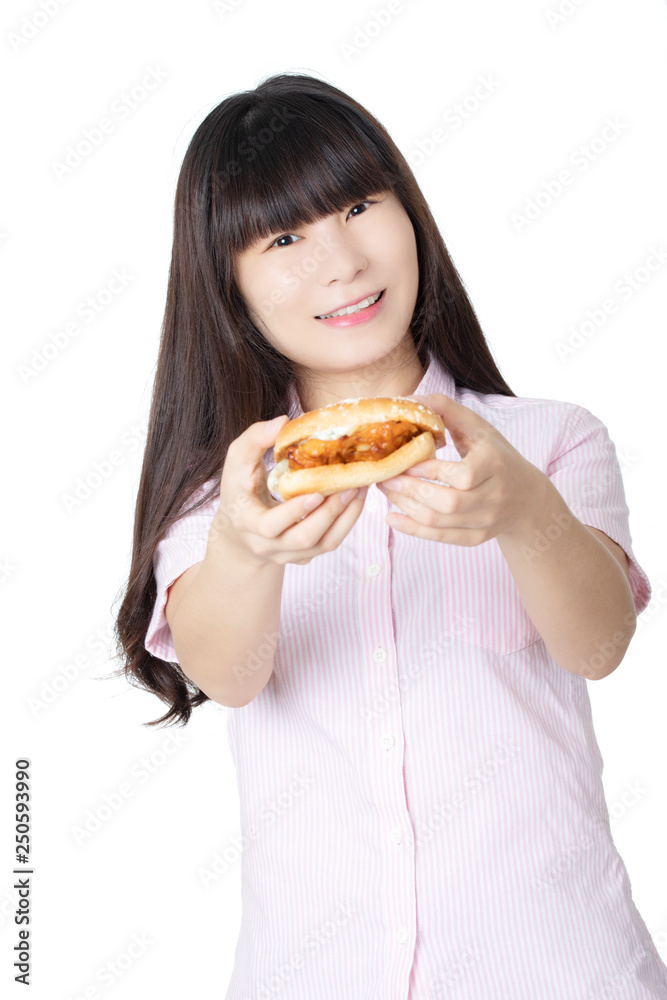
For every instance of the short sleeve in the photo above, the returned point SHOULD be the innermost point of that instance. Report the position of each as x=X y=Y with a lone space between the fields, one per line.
x=586 y=472
x=183 y=545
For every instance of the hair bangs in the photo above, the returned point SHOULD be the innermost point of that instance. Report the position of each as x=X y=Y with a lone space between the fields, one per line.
x=292 y=173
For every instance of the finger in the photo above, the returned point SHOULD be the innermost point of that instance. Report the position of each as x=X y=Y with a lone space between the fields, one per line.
x=465 y=425
x=430 y=503
x=334 y=533
x=244 y=476
x=448 y=536
x=245 y=453
x=278 y=522
x=464 y=475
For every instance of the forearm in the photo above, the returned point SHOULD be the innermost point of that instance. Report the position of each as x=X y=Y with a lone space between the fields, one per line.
x=225 y=627
x=572 y=587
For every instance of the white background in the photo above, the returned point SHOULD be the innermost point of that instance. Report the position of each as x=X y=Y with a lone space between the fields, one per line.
x=557 y=81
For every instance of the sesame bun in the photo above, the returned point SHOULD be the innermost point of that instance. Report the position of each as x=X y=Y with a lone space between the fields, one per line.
x=340 y=420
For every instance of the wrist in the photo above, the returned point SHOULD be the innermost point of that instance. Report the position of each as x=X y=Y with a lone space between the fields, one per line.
x=545 y=511
x=224 y=548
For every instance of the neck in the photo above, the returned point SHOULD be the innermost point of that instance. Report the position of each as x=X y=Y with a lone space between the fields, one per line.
x=397 y=374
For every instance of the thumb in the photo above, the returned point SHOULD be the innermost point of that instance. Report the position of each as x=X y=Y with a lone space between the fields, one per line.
x=465 y=426
x=269 y=428
x=245 y=452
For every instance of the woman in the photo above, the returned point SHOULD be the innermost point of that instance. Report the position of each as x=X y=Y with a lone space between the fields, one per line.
x=403 y=675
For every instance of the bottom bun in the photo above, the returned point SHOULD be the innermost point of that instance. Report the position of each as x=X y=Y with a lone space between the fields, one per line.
x=328 y=479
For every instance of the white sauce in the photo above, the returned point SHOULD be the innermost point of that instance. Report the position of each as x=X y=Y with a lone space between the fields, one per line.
x=275 y=474
x=331 y=433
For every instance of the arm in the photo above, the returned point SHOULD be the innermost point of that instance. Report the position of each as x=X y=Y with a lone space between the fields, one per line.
x=574 y=583
x=223 y=612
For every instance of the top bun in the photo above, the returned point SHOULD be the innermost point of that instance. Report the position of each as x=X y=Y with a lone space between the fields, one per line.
x=349 y=414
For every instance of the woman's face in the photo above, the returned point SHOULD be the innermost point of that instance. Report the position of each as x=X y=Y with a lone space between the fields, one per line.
x=288 y=280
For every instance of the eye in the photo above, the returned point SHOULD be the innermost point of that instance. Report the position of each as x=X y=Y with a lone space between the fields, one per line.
x=362 y=203
x=286 y=236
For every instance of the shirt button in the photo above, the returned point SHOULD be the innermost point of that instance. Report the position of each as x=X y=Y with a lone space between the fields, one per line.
x=396 y=836
x=372 y=502
x=374 y=569
x=379 y=655
x=401 y=935
x=386 y=742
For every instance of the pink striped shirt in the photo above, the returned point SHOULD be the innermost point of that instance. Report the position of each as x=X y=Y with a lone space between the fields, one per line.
x=442 y=827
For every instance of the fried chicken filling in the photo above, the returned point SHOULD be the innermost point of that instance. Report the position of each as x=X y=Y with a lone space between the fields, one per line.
x=368 y=443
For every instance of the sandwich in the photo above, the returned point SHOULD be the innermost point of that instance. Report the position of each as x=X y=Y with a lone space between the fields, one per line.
x=355 y=442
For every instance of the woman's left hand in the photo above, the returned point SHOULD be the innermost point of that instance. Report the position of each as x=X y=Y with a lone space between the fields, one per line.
x=492 y=491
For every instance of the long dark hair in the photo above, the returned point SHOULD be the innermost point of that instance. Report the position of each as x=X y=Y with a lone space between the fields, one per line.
x=286 y=154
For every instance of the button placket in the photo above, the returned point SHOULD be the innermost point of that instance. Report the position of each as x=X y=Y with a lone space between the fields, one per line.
x=377 y=633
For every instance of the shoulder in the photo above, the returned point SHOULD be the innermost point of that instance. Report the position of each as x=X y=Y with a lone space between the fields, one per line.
x=527 y=418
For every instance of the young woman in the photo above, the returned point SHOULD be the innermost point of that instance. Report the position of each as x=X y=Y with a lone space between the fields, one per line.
x=402 y=668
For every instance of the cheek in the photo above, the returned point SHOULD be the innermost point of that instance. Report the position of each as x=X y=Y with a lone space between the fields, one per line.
x=400 y=247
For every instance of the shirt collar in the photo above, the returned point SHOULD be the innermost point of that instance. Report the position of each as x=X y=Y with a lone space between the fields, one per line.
x=436 y=378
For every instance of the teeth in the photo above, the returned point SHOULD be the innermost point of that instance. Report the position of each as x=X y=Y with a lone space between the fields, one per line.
x=353 y=309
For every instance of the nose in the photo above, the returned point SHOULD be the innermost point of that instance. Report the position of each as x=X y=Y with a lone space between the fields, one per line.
x=340 y=256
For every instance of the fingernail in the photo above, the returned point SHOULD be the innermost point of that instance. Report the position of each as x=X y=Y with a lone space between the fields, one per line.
x=348 y=495
x=393 y=484
x=312 y=501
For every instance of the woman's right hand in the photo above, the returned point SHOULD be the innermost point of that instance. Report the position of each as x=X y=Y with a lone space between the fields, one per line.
x=265 y=529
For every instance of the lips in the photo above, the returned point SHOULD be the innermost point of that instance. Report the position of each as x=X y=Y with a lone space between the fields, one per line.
x=353 y=302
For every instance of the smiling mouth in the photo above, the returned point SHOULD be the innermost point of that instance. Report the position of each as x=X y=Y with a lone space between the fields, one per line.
x=350 y=310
